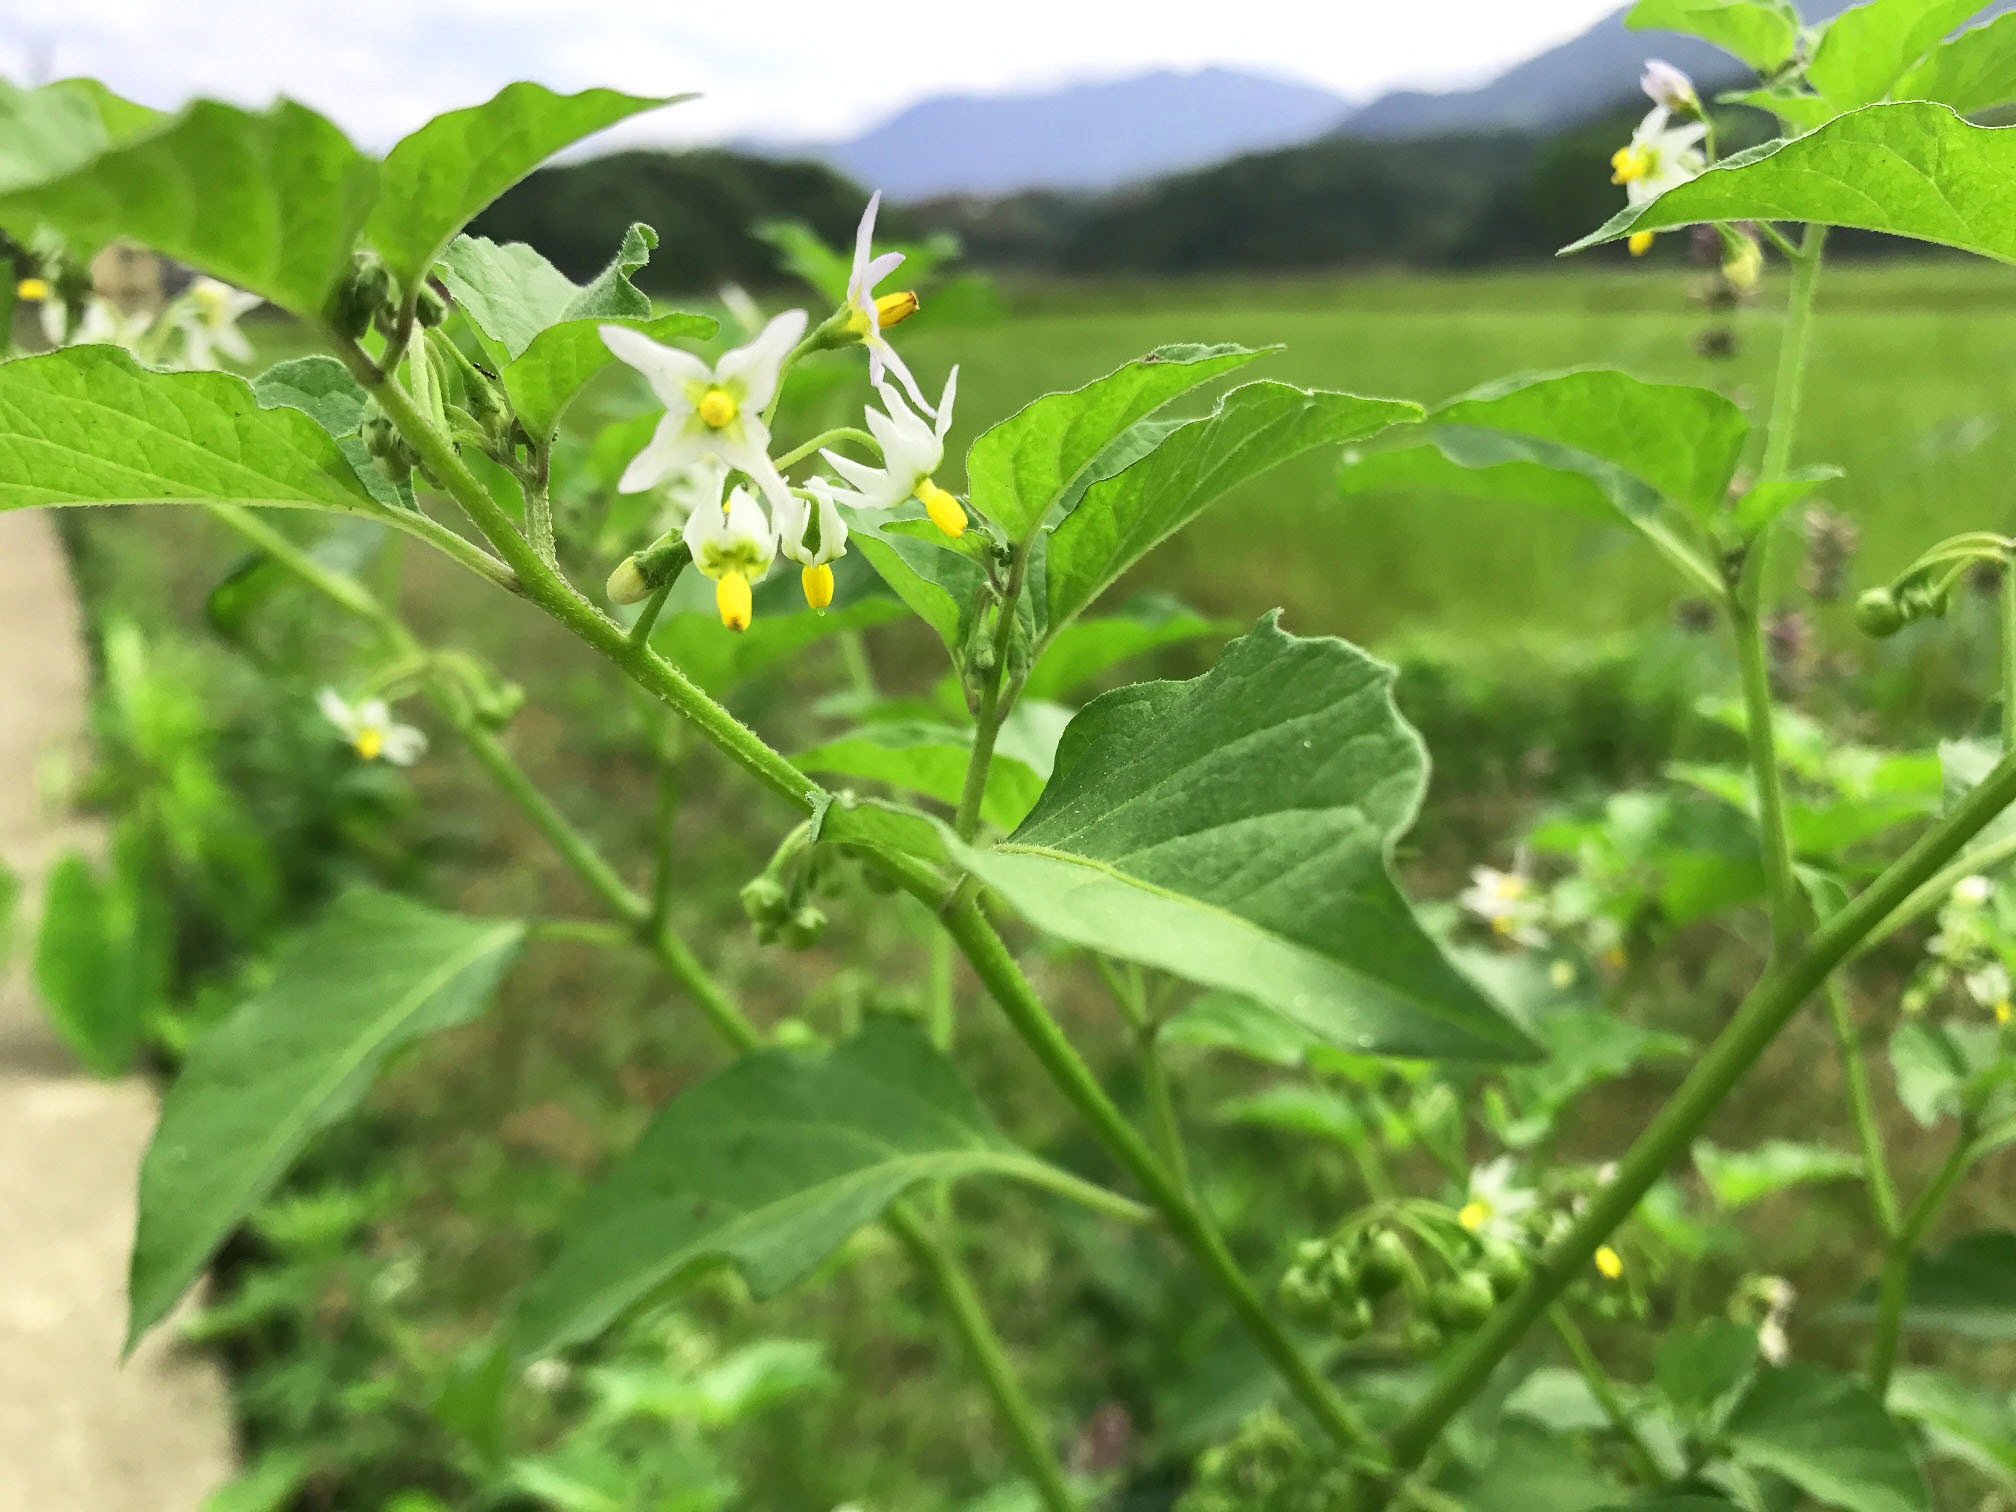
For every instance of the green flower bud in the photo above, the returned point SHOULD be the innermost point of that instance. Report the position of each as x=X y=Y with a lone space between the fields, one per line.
x=1504 y=1264
x=796 y=1034
x=498 y=706
x=805 y=928
x=1302 y=1297
x=626 y=583
x=1878 y=614
x=1352 y=1319
x=1383 y=1263
x=1464 y=1300
x=1421 y=1337
x=764 y=899
x=365 y=292
x=431 y=308
x=1340 y=1276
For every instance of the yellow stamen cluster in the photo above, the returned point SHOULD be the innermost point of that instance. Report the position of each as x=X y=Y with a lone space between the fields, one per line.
x=32 y=288
x=1640 y=243
x=2003 y=1012
x=1629 y=164
x=735 y=599
x=894 y=309
x=946 y=512
x=717 y=408
x=818 y=584
x=1609 y=1263
x=1474 y=1216
x=370 y=742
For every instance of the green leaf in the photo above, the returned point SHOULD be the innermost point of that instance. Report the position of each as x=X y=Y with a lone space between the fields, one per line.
x=936 y=582
x=371 y=976
x=1764 y=502
x=1829 y=1437
x=437 y=179
x=511 y=293
x=117 y=116
x=1695 y=1368
x=89 y=425
x=1297 y=1108
x=1968 y=1288
x=322 y=388
x=1237 y=830
x=560 y=360
x=1795 y=111
x=1760 y=32
x=1229 y=1021
x=1254 y=429
x=81 y=970
x=1972 y=72
x=1585 y=1048
x=1868 y=48
x=1086 y=648
x=1943 y=1070
x=1530 y=1469
x=1961 y=1422
x=1021 y=469
x=769 y=1165
x=928 y=759
x=1737 y=1178
x=1909 y=169
x=271 y=202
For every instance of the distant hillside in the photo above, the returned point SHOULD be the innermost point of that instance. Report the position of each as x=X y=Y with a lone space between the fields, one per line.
x=1087 y=136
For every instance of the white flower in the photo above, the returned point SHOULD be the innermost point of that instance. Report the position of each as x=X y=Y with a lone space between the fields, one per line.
x=867 y=314
x=1659 y=156
x=1494 y=1205
x=548 y=1375
x=48 y=308
x=1989 y=986
x=208 y=315
x=1778 y=1296
x=912 y=450
x=1505 y=901
x=370 y=730
x=814 y=536
x=105 y=324
x=734 y=545
x=712 y=412
x=1668 y=86
x=1972 y=892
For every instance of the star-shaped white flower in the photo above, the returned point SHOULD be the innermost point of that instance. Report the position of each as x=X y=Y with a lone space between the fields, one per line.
x=814 y=536
x=370 y=730
x=105 y=324
x=208 y=315
x=866 y=314
x=710 y=412
x=1505 y=901
x=1659 y=156
x=734 y=545
x=912 y=450
x=1494 y=1204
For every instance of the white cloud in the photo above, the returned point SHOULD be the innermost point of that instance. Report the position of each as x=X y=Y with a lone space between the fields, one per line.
x=784 y=69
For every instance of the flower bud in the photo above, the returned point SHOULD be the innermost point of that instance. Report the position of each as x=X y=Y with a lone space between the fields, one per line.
x=1421 y=1337
x=643 y=573
x=626 y=584
x=1503 y=1263
x=1877 y=613
x=1383 y=1263
x=497 y=707
x=1743 y=264
x=1352 y=1319
x=805 y=928
x=363 y=294
x=764 y=899
x=1464 y=1300
x=1302 y=1297
x=431 y=307
x=1668 y=86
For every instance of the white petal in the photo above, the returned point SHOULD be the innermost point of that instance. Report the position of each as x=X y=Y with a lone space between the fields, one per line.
x=670 y=449
x=756 y=365
x=874 y=484
x=945 y=405
x=864 y=240
x=750 y=455
x=791 y=515
x=404 y=745
x=747 y=525
x=880 y=355
x=232 y=343
x=374 y=713
x=336 y=709
x=668 y=370
x=53 y=318
x=880 y=269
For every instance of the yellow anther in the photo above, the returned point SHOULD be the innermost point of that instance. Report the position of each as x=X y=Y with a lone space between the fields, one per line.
x=1474 y=1216
x=1561 y=974
x=818 y=582
x=1509 y=886
x=894 y=309
x=32 y=288
x=946 y=512
x=370 y=742
x=2003 y=1012
x=1640 y=243
x=1504 y=924
x=736 y=601
x=1609 y=1262
x=1628 y=164
x=718 y=408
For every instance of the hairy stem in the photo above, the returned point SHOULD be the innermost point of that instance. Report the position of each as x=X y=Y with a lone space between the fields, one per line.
x=1770 y=1005
x=996 y=700
x=1862 y=1108
x=1604 y=1390
x=1790 y=387
x=1781 y=882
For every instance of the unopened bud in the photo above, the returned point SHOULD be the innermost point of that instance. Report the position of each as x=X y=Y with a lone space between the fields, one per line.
x=1743 y=264
x=430 y=308
x=1464 y=1301
x=643 y=573
x=626 y=583
x=1877 y=613
x=1668 y=86
x=1384 y=1263
x=764 y=899
x=364 y=292
x=805 y=928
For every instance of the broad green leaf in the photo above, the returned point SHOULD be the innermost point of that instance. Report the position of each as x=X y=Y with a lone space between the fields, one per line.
x=271 y=202
x=1228 y=1021
x=1868 y=48
x=83 y=972
x=1961 y=1421
x=769 y=1165
x=1945 y=1070
x=1760 y=32
x=1255 y=428
x=321 y=387
x=1086 y=648
x=512 y=293
x=1022 y=468
x=371 y=976
x=1530 y=1469
x=1967 y=1288
x=1972 y=72
x=1560 y=1399
x=1737 y=1178
x=89 y=425
x=931 y=760
x=49 y=132
x=119 y=117
x=437 y=179
x=1910 y=169
x=1297 y=1108
x=1237 y=830
x=1764 y=502
x=1827 y=1435
x=937 y=583
x=1695 y=1368
x=1798 y=112
x=561 y=359
x=1585 y=1048
x=690 y=633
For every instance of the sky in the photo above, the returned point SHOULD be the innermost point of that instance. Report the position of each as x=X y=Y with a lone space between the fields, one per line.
x=779 y=70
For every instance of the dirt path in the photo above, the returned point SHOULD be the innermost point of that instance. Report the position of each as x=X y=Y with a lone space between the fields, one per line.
x=78 y=1432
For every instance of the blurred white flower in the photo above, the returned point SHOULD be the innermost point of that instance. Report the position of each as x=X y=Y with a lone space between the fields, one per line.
x=710 y=412
x=734 y=545
x=1667 y=86
x=369 y=729
x=1972 y=892
x=1779 y=1297
x=208 y=316
x=105 y=324
x=1494 y=1205
x=912 y=451
x=1660 y=156
x=867 y=315
x=1505 y=901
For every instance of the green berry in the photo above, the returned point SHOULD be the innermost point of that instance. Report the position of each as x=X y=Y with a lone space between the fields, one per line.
x=1464 y=1300
x=1421 y=1337
x=1383 y=1263
x=1878 y=614
x=764 y=899
x=1504 y=1263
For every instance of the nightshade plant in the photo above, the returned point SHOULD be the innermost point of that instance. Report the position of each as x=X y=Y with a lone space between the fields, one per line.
x=1234 y=832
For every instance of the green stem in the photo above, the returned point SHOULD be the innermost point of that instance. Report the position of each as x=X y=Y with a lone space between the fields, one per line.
x=2008 y=654
x=826 y=438
x=539 y=507
x=1790 y=387
x=1862 y=1107
x=996 y=699
x=1604 y=1390
x=1164 y=1131
x=996 y=968
x=944 y=1018
x=647 y=619
x=1766 y=1011
x=1781 y=882
x=1894 y=1290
